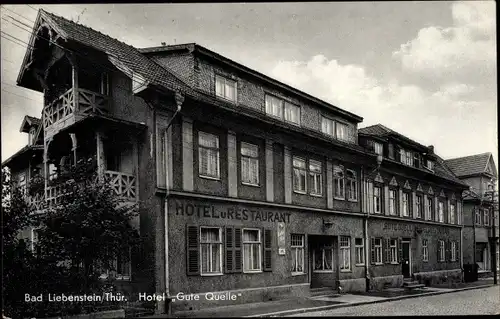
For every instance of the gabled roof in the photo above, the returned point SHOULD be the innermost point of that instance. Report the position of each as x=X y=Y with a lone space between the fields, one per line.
x=380 y=130
x=442 y=170
x=194 y=47
x=130 y=60
x=28 y=122
x=26 y=150
x=472 y=165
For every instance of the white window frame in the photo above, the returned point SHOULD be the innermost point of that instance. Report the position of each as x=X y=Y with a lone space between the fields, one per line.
x=302 y=171
x=216 y=149
x=478 y=217
x=210 y=245
x=251 y=160
x=393 y=250
x=274 y=109
x=393 y=211
x=441 y=211
x=252 y=244
x=406 y=204
x=429 y=165
x=429 y=207
x=452 y=214
x=340 y=134
x=409 y=158
x=359 y=251
x=290 y=106
x=226 y=83
x=328 y=126
x=378 y=148
x=486 y=217
x=419 y=199
x=345 y=253
x=378 y=251
x=338 y=182
x=298 y=244
x=316 y=176
x=377 y=199
x=425 y=252
x=322 y=249
x=453 y=251
x=352 y=184
x=442 y=251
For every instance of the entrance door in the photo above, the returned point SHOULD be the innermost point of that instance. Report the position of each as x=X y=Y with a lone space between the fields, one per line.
x=322 y=261
x=405 y=260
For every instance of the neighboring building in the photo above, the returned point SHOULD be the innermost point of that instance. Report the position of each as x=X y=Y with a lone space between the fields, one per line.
x=256 y=187
x=480 y=209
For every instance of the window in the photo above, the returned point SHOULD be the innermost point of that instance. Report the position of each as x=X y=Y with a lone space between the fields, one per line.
x=208 y=151
x=441 y=250
x=359 y=247
x=34 y=241
x=299 y=175
x=425 y=250
x=31 y=136
x=341 y=131
x=393 y=251
x=315 y=178
x=323 y=259
x=486 y=218
x=402 y=156
x=120 y=267
x=416 y=159
x=338 y=182
x=225 y=88
x=22 y=183
x=328 y=126
x=345 y=253
x=249 y=164
x=478 y=217
x=406 y=204
x=453 y=251
x=429 y=165
x=297 y=246
x=292 y=113
x=409 y=158
x=452 y=213
x=377 y=199
x=104 y=89
x=378 y=148
x=377 y=253
x=251 y=250
x=428 y=211
x=211 y=250
x=419 y=206
x=392 y=202
x=441 y=212
x=352 y=189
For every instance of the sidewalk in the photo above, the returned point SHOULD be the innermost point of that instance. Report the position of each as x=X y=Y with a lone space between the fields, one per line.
x=302 y=305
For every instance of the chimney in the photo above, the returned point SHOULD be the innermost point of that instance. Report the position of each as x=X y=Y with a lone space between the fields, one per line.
x=163 y=43
x=431 y=149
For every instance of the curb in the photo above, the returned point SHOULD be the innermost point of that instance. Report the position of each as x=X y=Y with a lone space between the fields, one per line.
x=303 y=310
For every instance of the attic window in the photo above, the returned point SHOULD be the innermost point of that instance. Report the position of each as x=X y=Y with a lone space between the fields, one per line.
x=31 y=136
x=429 y=165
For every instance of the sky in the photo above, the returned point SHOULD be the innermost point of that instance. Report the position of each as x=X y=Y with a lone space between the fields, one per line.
x=424 y=69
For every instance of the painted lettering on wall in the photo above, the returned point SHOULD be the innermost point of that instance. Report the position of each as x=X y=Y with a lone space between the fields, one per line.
x=403 y=227
x=210 y=211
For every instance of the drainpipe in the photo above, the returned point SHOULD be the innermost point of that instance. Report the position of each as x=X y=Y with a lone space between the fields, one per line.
x=365 y=231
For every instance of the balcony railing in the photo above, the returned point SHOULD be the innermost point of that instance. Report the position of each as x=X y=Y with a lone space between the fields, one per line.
x=54 y=194
x=36 y=201
x=124 y=185
x=74 y=101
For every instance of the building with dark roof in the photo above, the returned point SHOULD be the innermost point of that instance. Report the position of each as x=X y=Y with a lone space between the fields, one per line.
x=480 y=209
x=244 y=184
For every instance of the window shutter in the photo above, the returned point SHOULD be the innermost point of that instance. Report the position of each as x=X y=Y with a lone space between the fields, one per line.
x=448 y=251
x=400 y=250
x=229 y=248
x=267 y=250
x=372 y=245
x=438 y=250
x=387 y=250
x=192 y=249
x=457 y=248
x=237 y=251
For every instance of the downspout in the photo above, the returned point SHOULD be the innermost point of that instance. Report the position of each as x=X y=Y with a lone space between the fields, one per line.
x=365 y=230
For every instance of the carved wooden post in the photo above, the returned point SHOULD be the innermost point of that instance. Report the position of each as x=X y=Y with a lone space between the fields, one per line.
x=100 y=155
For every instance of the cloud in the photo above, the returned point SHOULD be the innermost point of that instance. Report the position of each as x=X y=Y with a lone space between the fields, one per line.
x=467 y=48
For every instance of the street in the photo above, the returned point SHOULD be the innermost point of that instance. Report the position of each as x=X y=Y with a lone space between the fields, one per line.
x=484 y=301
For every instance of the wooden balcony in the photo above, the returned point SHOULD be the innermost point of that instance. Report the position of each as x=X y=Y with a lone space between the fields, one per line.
x=73 y=105
x=124 y=185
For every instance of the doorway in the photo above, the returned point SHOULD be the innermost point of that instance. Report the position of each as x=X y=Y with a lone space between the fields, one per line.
x=322 y=261
x=406 y=258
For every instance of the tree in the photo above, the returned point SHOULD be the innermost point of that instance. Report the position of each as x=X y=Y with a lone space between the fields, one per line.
x=81 y=232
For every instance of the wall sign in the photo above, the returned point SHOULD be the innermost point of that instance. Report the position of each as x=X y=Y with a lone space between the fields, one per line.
x=281 y=238
x=403 y=227
x=210 y=211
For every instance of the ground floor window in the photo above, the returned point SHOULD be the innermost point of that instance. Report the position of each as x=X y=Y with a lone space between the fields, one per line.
x=441 y=253
x=119 y=268
x=211 y=250
x=360 y=251
x=251 y=250
x=377 y=250
x=323 y=259
x=297 y=246
x=393 y=251
x=453 y=251
x=425 y=250
x=345 y=253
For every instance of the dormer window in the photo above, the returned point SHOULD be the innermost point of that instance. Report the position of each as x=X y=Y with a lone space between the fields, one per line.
x=31 y=136
x=378 y=148
x=282 y=109
x=429 y=165
x=225 y=88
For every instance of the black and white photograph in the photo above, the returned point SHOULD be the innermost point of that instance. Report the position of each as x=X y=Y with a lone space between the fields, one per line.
x=267 y=159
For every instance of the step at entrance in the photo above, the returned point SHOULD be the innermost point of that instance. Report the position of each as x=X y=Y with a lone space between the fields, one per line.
x=324 y=292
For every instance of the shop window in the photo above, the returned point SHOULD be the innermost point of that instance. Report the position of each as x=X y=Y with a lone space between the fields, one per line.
x=360 y=251
x=251 y=250
x=208 y=153
x=441 y=251
x=345 y=253
x=419 y=206
x=225 y=88
x=299 y=175
x=377 y=199
x=211 y=250
x=376 y=251
x=315 y=178
x=352 y=189
x=323 y=259
x=338 y=182
x=249 y=164
x=297 y=246
x=425 y=250
x=393 y=202
x=441 y=212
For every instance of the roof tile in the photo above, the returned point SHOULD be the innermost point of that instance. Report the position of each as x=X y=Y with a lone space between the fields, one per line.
x=469 y=165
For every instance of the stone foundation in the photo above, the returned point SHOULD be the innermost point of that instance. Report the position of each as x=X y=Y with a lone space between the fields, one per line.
x=379 y=283
x=353 y=285
x=439 y=277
